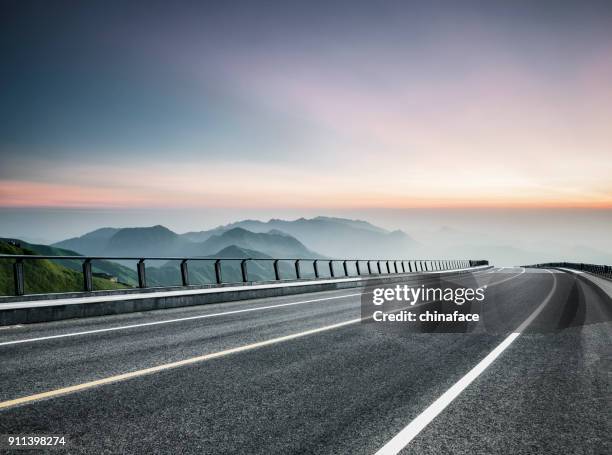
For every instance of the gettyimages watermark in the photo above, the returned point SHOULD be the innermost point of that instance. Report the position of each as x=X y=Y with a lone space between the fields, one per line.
x=479 y=303
x=420 y=295
x=426 y=304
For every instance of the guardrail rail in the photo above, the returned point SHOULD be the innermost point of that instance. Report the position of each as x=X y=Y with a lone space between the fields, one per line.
x=362 y=267
x=596 y=269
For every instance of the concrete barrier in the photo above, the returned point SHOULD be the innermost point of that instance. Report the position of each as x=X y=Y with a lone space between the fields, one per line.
x=55 y=307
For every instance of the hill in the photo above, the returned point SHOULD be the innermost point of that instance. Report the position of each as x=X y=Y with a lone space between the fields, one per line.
x=91 y=244
x=334 y=237
x=203 y=272
x=273 y=243
x=160 y=241
x=140 y=241
x=50 y=276
x=123 y=274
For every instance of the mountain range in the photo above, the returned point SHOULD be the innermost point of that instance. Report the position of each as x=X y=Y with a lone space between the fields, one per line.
x=161 y=241
x=320 y=237
x=334 y=237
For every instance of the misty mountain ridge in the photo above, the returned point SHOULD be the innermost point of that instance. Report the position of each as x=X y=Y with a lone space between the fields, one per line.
x=161 y=241
x=334 y=237
x=273 y=243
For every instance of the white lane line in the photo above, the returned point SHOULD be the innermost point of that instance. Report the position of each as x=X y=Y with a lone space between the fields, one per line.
x=403 y=438
x=577 y=272
x=212 y=290
x=510 y=278
x=168 y=366
x=169 y=321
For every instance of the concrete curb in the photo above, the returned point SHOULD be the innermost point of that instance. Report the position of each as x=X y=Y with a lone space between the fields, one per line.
x=59 y=307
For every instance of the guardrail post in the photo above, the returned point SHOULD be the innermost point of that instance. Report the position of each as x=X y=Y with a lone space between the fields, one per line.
x=243 y=269
x=276 y=271
x=369 y=268
x=184 y=272
x=379 y=270
x=331 y=269
x=395 y=266
x=403 y=267
x=297 y=269
x=18 y=277
x=410 y=267
x=142 y=275
x=87 y=276
x=315 y=266
x=345 y=268
x=358 y=268
x=218 y=275
x=388 y=268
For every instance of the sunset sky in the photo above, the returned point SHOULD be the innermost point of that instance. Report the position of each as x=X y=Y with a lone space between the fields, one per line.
x=306 y=104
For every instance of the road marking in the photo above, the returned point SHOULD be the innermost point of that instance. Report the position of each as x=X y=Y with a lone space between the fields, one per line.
x=403 y=438
x=169 y=321
x=168 y=366
x=188 y=318
x=577 y=272
x=211 y=290
x=523 y=270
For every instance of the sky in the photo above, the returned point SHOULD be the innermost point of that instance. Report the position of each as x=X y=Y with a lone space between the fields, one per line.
x=264 y=107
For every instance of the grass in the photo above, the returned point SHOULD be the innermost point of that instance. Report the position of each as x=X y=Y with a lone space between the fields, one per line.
x=44 y=276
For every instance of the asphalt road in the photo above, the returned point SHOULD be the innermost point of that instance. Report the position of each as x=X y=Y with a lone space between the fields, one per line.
x=300 y=374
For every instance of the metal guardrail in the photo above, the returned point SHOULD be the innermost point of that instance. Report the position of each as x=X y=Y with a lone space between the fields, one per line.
x=373 y=267
x=596 y=269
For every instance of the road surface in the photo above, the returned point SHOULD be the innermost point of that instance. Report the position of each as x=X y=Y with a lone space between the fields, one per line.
x=301 y=374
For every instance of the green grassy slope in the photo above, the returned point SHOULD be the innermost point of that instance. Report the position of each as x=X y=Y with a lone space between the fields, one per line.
x=44 y=276
x=124 y=274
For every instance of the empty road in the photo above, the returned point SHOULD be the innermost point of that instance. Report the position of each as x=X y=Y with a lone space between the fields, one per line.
x=303 y=374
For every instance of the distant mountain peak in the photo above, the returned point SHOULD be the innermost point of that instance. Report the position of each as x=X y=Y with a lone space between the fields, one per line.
x=233 y=251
